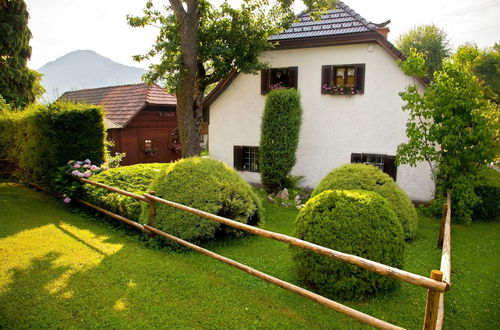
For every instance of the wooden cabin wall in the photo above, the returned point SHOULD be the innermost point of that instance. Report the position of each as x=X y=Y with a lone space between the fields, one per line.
x=156 y=126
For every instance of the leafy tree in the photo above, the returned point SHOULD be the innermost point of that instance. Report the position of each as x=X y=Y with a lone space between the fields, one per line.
x=448 y=127
x=200 y=44
x=19 y=85
x=485 y=64
x=429 y=40
x=279 y=137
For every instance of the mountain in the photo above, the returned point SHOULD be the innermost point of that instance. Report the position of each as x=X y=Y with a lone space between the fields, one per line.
x=85 y=69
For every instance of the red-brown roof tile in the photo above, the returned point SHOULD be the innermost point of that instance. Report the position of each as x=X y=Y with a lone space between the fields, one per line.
x=123 y=102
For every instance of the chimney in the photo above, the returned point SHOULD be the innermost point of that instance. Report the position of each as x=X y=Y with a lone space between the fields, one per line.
x=383 y=31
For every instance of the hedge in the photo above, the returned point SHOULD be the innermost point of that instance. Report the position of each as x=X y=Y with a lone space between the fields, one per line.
x=208 y=185
x=368 y=177
x=42 y=138
x=279 y=137
x=357 y=222
x=133 y=178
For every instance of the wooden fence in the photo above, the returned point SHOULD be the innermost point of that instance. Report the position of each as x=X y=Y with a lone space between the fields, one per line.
x=437 y=284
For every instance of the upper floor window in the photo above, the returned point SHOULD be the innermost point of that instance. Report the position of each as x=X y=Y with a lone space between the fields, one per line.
x=278 y=78
x=346 y=79
x=385 y=163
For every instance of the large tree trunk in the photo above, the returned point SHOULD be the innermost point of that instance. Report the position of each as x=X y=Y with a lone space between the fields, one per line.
x=188 y=100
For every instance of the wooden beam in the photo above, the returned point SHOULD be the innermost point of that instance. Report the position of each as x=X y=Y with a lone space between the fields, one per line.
x=446 y=251
x=115 y=216
x=367 y=319
x=113 y=189
x=348 y=258
x=444 y=211
x=431 y=308
x=440 y=317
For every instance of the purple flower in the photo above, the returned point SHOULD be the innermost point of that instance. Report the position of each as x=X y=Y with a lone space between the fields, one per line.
x=80 y=174
x=67 y=200
x=86 y=166
x=94 y=168
x=87 y=174
x=76 y=165
x=75 y=173
x=87 y=161
x=79 y=162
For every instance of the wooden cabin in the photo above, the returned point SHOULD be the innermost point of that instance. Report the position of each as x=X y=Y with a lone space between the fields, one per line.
x=141 y=120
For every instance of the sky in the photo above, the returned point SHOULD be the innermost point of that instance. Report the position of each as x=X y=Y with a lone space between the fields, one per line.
x=63 y=26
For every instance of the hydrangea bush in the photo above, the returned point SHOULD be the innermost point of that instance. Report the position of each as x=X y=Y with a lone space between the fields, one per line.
x=69 y=188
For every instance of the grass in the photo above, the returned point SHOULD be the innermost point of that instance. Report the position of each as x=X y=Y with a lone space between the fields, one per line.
x=59 y=269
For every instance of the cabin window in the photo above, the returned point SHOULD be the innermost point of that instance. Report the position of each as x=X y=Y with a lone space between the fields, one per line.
x=246 y=158
x=346 y=79
x=148 y=144
x=385 y=163
x=276 y=78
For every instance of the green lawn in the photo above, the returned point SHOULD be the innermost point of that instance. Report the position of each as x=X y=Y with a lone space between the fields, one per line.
x=59 y=269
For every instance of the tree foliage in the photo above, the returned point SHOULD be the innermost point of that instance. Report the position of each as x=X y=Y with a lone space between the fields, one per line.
x=449 y=127
x=279 y=137
x=19 y=85
x=199 y=44
x=485 y=64
x=428 y=40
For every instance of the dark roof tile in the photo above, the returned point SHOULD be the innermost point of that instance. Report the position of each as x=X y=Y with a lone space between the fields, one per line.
x=341 y=20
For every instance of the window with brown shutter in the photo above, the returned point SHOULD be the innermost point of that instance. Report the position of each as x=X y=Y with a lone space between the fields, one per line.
x=385 y=163
x=347 y=79
x=276 y=78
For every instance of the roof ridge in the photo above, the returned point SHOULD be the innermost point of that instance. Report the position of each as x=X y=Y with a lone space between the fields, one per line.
x=357 y=16
x=105 y=87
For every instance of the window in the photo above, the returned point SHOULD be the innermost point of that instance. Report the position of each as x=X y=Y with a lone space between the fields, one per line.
x=385 y=163
x=246 y=158
x=278 y=78
x=148 y=144
x=342 y=79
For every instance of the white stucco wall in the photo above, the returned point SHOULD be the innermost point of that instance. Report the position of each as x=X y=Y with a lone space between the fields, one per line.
x=334 y=126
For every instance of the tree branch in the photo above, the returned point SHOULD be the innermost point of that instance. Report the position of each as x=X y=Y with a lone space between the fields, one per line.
x=178 y=8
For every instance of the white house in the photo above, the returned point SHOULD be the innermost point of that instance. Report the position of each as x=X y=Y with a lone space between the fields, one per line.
x=364 y=124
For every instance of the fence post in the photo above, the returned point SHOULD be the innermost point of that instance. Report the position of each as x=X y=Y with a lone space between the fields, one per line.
x=152 y=211
x=441 y=228
x=431 y=308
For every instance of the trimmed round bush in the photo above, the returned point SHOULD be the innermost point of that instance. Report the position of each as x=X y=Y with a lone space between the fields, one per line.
x=208 y=185
x=133 y=178
x=357 y=222
x=368 y=177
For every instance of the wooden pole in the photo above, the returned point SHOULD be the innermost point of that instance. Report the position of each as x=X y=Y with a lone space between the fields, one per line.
x=367 y=319
x=431 y=308
x=440 y=317
x=113 y=189
x=348 y=258
x=446 y=251
x=152 y=211
x=115 y=216
x=441 y=227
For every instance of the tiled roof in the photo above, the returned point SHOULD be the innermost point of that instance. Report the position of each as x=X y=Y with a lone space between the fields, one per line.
x=123 y=102
x=341 y=20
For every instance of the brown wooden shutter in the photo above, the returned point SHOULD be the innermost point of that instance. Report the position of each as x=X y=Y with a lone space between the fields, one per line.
x=326 y=76
x=390 y=166
x=292 y=76
x=238 y=158
x=355 y=158
x=360 y=78
x=264 y=81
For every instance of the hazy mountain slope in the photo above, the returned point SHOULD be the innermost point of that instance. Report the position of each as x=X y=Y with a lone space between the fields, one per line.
x=85 y=69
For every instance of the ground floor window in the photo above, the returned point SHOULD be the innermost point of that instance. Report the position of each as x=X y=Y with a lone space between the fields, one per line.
x=246 y=158
x=385 y=163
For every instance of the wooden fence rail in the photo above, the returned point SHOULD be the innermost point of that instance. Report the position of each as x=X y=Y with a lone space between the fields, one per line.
x=437 y=284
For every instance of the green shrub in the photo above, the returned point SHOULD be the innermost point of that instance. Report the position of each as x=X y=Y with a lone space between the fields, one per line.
x=134 y=178
x=279 y=137
x=41 y=139
x=208 y=185
x=367 y=177
x=488 y=208
x=357 y=222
